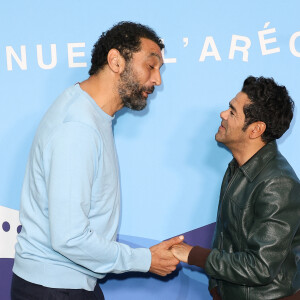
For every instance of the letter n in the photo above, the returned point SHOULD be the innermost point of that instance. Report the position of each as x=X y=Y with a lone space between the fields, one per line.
x=22 y=62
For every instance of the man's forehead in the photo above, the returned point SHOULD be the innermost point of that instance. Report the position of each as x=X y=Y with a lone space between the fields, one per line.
x=240 y=99
x=151 y=49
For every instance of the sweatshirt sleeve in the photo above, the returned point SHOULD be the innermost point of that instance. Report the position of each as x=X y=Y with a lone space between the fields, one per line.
x=71 y=164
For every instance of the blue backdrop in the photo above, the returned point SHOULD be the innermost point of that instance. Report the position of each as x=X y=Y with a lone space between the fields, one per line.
x=170 y=166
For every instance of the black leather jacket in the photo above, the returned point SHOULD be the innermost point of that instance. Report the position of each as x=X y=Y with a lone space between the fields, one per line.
x=256 y=247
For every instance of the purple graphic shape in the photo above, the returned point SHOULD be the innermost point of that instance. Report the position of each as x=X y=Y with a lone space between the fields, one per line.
x=6 y=226
x=201 y=236
x=19 y=228
x=6 y=265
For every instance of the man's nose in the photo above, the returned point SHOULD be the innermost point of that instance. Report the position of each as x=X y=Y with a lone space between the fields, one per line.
x=224 y=114
x=156 y=77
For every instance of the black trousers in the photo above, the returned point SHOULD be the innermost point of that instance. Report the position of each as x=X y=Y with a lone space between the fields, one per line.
x=24 y=290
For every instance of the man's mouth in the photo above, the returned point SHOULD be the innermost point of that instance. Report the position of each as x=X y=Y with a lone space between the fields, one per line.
x=147 y=92
x=222 y=127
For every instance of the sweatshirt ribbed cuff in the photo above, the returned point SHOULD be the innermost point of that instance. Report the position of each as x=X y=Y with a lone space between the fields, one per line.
x=198 y=256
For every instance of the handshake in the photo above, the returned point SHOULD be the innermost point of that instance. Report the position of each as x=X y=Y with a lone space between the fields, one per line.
x=167 y=255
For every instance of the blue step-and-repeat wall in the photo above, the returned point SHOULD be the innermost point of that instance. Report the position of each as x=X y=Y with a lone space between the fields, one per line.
x=170 y=165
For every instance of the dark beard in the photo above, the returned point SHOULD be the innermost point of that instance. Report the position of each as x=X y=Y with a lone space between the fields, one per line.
x=131 y=92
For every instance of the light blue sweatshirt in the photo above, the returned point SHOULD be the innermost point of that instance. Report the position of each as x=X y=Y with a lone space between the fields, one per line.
x=71 y=200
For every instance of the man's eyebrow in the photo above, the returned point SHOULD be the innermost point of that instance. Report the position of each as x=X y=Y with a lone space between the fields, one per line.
x=158 y=56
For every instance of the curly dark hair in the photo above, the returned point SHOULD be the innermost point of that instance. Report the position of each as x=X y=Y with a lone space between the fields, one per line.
x=123 y=36
x=270 y=103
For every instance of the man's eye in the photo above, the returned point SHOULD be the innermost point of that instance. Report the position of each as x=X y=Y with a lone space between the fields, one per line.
x=151 y=67
x=231 y=113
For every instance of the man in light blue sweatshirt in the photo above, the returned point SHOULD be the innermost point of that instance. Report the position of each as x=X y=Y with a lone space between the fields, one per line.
x=70 y=199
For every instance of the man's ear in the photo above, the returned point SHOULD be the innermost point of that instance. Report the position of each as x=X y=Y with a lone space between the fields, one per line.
x=115 y=61
x=257 y=129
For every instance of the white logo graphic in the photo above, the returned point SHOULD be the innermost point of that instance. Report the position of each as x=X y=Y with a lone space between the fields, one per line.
x=9 y=228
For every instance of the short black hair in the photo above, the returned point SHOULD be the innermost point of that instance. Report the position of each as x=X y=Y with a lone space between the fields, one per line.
x=126 y=38
x=269 y=103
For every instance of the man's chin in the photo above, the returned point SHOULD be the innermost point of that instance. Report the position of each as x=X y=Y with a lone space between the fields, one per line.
x=138 y=108
x=136 y=105
x=218 y=138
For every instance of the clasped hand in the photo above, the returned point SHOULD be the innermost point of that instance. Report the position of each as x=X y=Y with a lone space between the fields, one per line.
x=167 y=255
x=181 y=251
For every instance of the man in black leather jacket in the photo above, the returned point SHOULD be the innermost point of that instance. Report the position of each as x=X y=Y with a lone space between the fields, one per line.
x=256 y=246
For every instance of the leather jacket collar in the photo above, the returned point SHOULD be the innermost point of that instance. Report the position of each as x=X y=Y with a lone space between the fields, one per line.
x=258 y=161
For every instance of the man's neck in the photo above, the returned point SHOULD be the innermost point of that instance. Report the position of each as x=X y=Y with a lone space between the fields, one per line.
x=103 y=89
x=244 y=153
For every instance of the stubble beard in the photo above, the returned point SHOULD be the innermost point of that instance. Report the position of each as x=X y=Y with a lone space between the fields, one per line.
x=130 y=91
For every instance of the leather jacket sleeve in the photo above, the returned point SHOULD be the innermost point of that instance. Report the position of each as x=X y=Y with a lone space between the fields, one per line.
x=276 y=218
